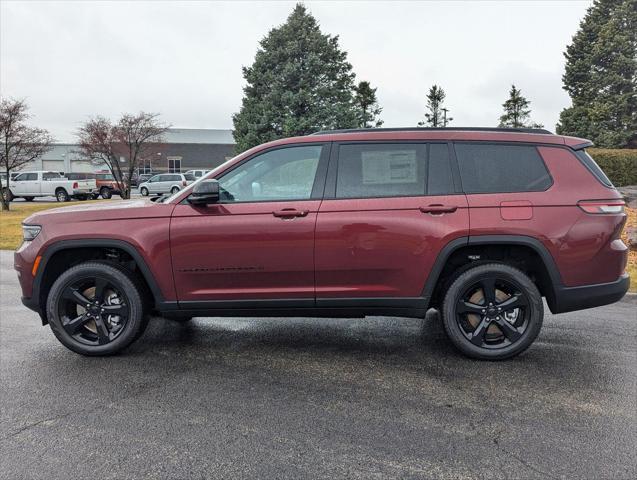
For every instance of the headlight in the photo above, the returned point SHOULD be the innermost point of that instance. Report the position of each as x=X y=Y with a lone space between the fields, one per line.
x=29 y=232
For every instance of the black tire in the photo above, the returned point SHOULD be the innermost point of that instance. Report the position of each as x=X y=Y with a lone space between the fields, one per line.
x=106 y=193
x=70 y=318
x=143 y=191
x=492 y=312
x=95 y=196
x=82 y=197
x=174 y=190
x=29 y=199
x=8 y=196
x=61 y=195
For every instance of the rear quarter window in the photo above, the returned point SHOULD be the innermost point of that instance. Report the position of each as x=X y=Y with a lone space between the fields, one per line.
x=592 y=167
x=493 y=168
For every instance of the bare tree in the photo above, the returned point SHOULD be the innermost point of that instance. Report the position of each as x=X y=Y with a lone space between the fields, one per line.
x=19 y=143
x=123 y=145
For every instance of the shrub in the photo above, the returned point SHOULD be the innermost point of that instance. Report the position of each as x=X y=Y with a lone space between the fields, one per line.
x=620 y=165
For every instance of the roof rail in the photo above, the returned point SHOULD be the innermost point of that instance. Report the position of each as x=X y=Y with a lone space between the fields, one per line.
x=436 y=129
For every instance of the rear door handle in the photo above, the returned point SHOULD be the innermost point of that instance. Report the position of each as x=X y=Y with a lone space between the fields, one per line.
x=438 y=209
x=290 y=213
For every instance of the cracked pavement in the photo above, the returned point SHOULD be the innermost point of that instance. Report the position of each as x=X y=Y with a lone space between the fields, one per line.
x=318 y=398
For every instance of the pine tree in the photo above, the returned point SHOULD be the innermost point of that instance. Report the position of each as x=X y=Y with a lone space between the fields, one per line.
x=300 y=82
x=601 y=76
x=517 y=113
x=367 y=105
x=437 y=116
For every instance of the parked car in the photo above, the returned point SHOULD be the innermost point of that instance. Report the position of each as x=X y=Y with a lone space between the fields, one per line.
x=106 y=186
x=165 y=183
x=478 y=223
x=29 y=185
x=197 y=173
x=143 y=177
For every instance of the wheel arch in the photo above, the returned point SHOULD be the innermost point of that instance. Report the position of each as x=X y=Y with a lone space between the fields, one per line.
x=87 y=249
x=454 y=258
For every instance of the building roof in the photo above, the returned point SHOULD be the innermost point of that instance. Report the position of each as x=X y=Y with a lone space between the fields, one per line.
x=199 y=135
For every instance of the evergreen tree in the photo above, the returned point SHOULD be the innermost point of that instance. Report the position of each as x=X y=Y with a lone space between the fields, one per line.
x=601 y=76
x=367 y=105
x=437 y=116
x=517 y=113
x=300 y=82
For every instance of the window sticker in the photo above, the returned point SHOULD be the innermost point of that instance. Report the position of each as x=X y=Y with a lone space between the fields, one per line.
x=398 y=166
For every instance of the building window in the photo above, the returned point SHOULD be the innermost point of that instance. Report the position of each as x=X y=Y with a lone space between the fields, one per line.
x=174 y=164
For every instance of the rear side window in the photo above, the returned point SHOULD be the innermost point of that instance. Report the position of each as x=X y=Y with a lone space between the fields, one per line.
x=49 y=176
x=492 y=168
x=393 y=170
x=592 y=166
x=381 y=170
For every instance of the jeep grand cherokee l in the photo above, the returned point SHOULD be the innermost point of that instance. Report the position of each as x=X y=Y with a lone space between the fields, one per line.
x=478 y=223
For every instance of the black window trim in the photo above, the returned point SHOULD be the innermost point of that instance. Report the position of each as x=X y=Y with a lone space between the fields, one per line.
x=332 y=174
x=525 y=144
x=319 y=178
x=579 y=154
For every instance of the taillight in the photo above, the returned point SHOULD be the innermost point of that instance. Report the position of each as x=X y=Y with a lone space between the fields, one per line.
x=76 y=185
x=183 y=183
x=607 y=207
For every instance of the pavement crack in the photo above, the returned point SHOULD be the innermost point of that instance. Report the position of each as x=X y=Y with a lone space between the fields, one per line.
x=35 y=424
x=496 y=441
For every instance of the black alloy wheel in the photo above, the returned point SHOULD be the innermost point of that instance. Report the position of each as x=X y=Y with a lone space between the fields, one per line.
x=93 y=311
x=96 y=308
x=493 y=312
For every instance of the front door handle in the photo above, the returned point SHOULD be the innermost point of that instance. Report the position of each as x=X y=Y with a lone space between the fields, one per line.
x=438 y=209
x=290 y=213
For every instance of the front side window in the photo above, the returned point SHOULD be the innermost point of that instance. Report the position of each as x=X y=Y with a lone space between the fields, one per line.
x=493 y=168
x=282 y=174
x=31 y=176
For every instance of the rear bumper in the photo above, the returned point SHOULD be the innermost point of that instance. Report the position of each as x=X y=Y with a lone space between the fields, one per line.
x=568 y=299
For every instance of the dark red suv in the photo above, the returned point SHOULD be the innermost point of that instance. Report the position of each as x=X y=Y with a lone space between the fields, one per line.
x=479 y=223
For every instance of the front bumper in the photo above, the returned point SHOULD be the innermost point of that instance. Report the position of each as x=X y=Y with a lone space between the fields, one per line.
x=568 y=299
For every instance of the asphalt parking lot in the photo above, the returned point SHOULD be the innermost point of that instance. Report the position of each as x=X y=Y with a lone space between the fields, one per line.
x=315 y=398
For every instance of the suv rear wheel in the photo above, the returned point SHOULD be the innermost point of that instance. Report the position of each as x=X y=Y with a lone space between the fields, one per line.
x=492 y=312
x=96 y=308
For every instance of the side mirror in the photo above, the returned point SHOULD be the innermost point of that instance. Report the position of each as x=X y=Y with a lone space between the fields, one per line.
x=205 y=192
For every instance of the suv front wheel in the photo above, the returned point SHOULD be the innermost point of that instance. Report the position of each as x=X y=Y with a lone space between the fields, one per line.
x=96 y=308
x=492 y=312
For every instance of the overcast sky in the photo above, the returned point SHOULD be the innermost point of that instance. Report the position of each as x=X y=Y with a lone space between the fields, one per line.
x=72 y=60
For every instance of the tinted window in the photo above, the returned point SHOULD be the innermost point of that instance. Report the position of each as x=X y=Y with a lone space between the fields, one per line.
x=49 y=175
x=592 y=166
x=283 y=174
x=439 y=177
x=488 y=168
x=190 y=177
x=30 y=176
x=105 y=176
x=381 y=170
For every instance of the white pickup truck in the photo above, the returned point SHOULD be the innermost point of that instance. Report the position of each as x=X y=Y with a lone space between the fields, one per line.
x=29 y=185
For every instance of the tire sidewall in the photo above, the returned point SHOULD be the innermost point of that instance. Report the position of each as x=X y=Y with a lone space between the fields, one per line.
x=144 y=191
x=512 y=275
x=105 y=192
x=62 y=196
x=127 y=287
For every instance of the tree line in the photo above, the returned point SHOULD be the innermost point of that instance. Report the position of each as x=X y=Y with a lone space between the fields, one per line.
x=301 y=82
